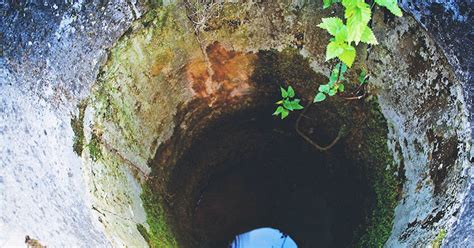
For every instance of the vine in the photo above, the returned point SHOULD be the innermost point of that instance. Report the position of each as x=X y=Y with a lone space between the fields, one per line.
x=345 y=37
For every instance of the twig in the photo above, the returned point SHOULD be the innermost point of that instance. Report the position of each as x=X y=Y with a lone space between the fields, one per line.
x=354 y=96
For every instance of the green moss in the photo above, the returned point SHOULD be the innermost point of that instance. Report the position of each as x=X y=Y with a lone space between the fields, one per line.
x=129 y=87
x=94 y=147
x=77 y=124
x=439 y=238
x=382 y=176
x=142 y=230
x=159 y=234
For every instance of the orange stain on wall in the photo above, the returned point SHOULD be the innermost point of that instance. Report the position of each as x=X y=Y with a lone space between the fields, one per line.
x=231 y=72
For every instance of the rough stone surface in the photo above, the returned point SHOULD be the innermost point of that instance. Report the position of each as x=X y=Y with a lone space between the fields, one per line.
x=450 y=23
x=52 y=54
x=421 y=99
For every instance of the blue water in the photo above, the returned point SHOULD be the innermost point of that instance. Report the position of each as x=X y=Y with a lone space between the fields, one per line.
x=263 y=238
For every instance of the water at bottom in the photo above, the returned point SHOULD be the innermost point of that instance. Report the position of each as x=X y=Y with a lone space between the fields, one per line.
x=263 y=238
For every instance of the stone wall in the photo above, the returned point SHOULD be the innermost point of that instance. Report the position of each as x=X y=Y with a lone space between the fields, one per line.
x=51 y=57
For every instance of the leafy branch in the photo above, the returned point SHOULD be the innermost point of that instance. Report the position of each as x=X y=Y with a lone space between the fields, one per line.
x=345 y=36
x=287 y=104
x=357 y=14
x=334 y=85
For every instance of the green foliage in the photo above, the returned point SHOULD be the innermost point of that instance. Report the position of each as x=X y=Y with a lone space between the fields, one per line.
x=439 y=238
x=357 y=14
x=391 y=5
x=287 y=104
x=338 y=47
x=368 y=36
x=335 y=84
x=328 y=3
x=362 y=77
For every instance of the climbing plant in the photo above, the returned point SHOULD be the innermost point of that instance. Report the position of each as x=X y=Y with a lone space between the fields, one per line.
x=345 y=36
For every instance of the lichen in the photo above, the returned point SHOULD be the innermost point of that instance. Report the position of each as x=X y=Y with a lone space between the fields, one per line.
x=159 y=233
x=439 y=239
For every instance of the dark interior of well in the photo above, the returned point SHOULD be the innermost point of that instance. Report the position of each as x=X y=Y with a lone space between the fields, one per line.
x=231 y=170
x=247 y=170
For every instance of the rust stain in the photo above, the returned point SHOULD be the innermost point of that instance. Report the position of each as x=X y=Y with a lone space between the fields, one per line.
x=198 y=76
x=230 y=74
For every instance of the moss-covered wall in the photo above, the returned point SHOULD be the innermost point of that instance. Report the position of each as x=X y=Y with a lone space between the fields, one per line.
x=162 y=74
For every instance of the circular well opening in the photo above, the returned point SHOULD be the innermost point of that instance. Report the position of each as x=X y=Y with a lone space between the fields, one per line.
x=246 y=170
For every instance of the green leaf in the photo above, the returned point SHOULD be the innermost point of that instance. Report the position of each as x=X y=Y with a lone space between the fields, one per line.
x=278 y=110
x=358 y=15
x=284 y=113
x=391 y=5
x=333 y=77
x=334 y=49
x=335 y=27
x=319 y=97
x=327 y=3
x=291 y=92
x=296 y=104
x=342 y=34
x=348 y=55
x=332 y=92
x=324 y=88
x=341 y=87
x=287 y=104
x=349 y=3
x=284 y=93
x=343 y=68
x=362 y=77
x=368 y=36
x=332 y=24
